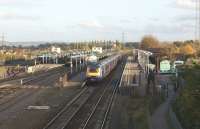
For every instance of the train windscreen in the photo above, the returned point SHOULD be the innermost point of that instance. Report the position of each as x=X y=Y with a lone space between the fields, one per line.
x=93 y=70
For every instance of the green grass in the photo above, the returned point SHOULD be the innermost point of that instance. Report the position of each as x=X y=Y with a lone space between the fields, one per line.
x=139 y=110
x=154 y=102
x=138 y=113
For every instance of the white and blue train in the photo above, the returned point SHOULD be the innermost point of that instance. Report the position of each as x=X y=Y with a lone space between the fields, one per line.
x=98 y=71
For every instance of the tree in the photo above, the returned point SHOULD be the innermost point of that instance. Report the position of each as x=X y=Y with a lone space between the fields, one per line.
x=178 y=43
x=187 y=50
x=169 y=49
x=149 y=41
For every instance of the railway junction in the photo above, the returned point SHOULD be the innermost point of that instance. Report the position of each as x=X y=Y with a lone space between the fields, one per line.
x=60 y=98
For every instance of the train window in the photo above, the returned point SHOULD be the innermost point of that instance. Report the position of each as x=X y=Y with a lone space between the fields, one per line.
x=93 y=70
x=107 y=68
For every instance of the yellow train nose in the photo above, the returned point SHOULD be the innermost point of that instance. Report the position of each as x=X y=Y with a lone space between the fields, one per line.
x=90 y=74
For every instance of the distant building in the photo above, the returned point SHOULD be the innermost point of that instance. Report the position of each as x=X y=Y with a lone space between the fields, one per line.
x=97 y=49
x=2 y=62
x=2 y=51
x=56 y=49
x=132 y=44
x=114 y=45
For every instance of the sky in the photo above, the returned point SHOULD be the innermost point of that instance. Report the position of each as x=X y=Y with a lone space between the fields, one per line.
x=84 y=20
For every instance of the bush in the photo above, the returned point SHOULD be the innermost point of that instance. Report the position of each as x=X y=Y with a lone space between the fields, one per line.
x=187 y=105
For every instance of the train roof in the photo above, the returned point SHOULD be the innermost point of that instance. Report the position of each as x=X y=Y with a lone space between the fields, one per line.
x=103 y=62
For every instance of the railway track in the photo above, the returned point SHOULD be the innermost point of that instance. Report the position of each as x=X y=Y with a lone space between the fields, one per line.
x=40 y=78
x=60 y=119
x=11 y=102
x=99 y=114
x=24 y=95
x=88 y=110
x=31 y=79
x=64 y=117
x=7 y=90
x=93 y=115
x=48 y=80
x=51 y=77
x=17 y=80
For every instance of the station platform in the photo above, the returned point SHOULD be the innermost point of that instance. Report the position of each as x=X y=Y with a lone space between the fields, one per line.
x=77 y=80
x=133 y=80
x=42 y=67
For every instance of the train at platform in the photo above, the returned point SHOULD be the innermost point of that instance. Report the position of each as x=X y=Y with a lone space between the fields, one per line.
x=98 y=71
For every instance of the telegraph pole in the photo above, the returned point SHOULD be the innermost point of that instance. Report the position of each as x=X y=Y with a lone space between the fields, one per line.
x=2 y=41
x=197 y=20
x=198 y=10
x=77 y=45
x=123 y=39
x=123 y=36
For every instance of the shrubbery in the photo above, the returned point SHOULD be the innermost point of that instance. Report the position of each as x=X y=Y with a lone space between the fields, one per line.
x=187 y=105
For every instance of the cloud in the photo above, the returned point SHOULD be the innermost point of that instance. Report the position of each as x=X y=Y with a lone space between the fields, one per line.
x=184 y=18
x=186 y=4
x=126 y=21
x=153 y=19
x=169 y=29
x=91 y=24
x=20 y=3
x=15 y=16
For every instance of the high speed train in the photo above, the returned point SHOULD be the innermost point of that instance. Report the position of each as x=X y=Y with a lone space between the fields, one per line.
x=98 y=71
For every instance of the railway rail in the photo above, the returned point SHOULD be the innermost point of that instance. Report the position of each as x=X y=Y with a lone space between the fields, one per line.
x=38 y=80
x=48 y=79
x=95 y=120
x=31 y=79
x=97 y=117
x=25 y=94
x=60 y=119
x=51 y=78
x=5 y=105
x=88 y=109
x=18 y=79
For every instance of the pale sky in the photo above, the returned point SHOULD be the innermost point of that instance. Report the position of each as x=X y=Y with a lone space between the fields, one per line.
x=79 y=20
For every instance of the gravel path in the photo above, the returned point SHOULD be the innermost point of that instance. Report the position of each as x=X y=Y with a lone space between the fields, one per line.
x=158 y=119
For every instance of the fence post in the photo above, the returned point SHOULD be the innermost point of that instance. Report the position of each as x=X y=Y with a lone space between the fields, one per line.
x=21 y=81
